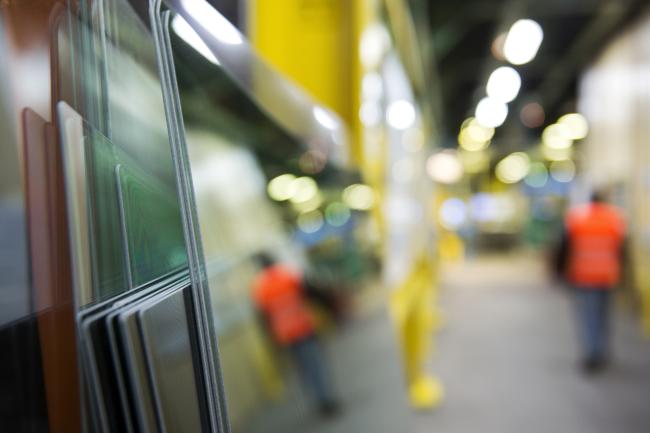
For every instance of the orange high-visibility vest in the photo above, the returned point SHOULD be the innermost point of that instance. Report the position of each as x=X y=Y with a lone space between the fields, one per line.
x=278 y=293
x=596 y=232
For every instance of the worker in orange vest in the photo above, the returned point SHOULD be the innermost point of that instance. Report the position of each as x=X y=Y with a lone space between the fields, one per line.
x=592 y=259
x=279 y=294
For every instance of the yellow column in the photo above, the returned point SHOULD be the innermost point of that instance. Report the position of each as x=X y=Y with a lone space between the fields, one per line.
x=414 y=311
x=308 y=41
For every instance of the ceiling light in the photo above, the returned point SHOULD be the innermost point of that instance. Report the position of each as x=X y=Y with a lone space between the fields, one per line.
x=375 y=41
x=282 y=187
x=491 y=112
x=576 y=125
x=513 y=167
x=474 y=136
x=504 y=84
x=359 y=196
x=401 y=114
x=304 y=189
x=445 y=167
x=556 y=136
x=523 y=41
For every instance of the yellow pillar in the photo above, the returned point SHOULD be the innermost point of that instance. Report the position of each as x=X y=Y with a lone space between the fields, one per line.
x=310 y=43
x=414 y=312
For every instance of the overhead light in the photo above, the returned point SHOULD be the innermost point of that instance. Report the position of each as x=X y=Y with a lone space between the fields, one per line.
x=304 y=189
x=504 y=84
x=557 y=136
x=523 y=40
x=400 y=114
x=282 y=187
x=359 y=196
x=467 y=142
x=375 y=41
x=491 y=113
x=474 y=136
x=187 y=34
x=513 y=167
x=213 y=22
x=325 y=118
x=576 y=125
x=445 y=167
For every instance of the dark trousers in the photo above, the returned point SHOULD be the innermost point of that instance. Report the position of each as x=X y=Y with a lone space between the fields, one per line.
x=308 y=357
x=593 y=319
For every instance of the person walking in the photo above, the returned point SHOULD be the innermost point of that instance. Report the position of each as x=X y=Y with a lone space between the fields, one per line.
x=592 y=259
x=278 y=292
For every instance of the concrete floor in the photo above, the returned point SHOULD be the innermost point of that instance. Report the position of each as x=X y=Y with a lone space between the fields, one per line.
x=509 y=360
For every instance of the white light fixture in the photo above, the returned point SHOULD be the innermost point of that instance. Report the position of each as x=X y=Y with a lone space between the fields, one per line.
x=491 y=112
x=473 y=136
x=375 y=41
x=576 y=124
x=359 y=196
x=304 y=189
x=513 y=167
x=523 y=41
x=282 y=187
x=504 y=84
x=213 y=22
x=556 y=136
x=400 y=114
x=445 y=167
x=325 y=118
x=187 y=33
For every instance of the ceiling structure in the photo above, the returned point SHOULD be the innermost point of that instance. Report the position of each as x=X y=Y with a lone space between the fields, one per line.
x=463 y=31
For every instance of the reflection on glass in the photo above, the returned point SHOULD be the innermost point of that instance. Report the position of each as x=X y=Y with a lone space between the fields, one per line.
x=133 y=220
x=134 y=213
x=255 y=186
